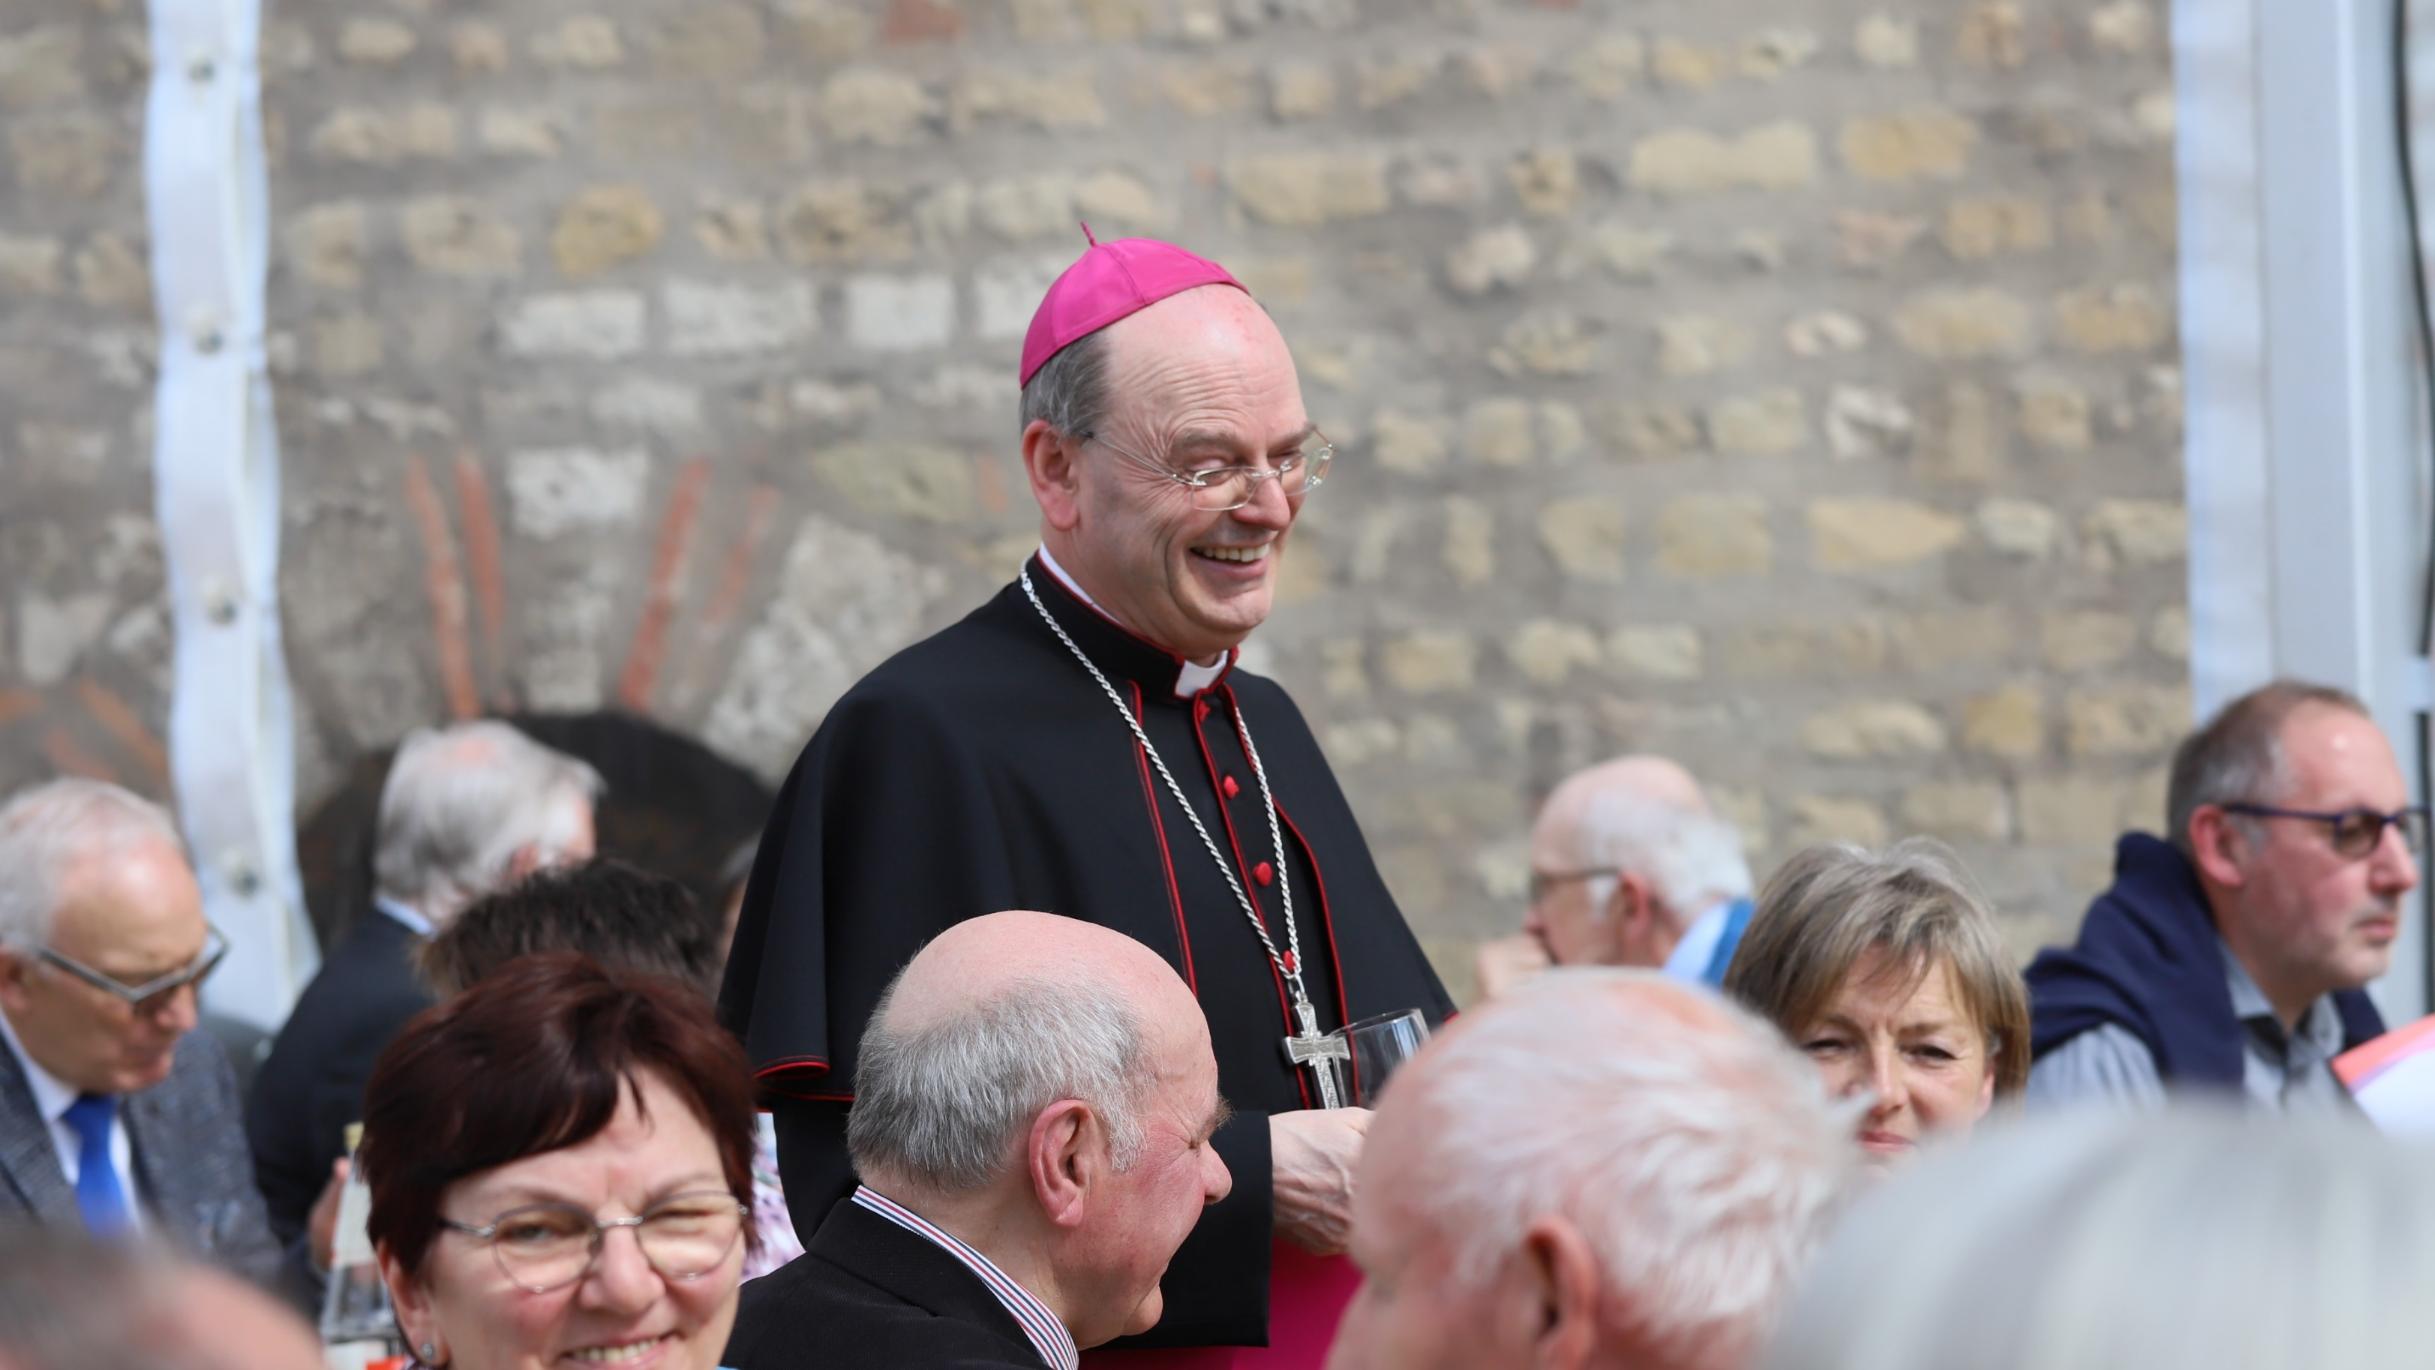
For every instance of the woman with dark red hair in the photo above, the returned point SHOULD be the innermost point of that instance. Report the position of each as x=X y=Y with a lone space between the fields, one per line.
x=560 y=1165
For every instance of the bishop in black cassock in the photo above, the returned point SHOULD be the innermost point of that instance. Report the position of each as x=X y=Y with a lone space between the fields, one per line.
x=985 y=768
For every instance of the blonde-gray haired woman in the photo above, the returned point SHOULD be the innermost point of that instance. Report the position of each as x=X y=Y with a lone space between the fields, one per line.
x=1886 y=969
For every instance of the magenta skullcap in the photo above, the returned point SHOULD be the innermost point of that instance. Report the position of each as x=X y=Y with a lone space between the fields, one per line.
x=1108 y=282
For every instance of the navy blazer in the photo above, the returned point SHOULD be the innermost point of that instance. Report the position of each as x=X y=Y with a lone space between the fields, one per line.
x=193 y=1176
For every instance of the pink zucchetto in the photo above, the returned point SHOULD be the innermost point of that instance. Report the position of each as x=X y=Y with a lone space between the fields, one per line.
x=1108 y=282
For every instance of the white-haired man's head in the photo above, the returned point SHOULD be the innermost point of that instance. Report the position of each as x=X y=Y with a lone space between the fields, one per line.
x=2200 y=1239
x=97 y=902
x=473 y=806
x=1624 y=856
x=1605 y=1168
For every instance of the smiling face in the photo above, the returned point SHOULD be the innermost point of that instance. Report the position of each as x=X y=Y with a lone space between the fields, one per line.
x=1904 y=1040
x=134 y=916
x=2305 y=919
x=1150 y=1208
x=623 y=1313
x=1198 y=380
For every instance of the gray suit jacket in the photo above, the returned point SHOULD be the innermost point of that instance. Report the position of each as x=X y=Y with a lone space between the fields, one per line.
x=193 y=1175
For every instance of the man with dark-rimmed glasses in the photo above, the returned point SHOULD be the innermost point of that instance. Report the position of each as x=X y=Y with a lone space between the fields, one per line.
x=2234 y=954
x=115 y=1115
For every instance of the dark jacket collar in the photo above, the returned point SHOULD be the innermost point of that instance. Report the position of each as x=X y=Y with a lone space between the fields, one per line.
x=2149 y=960
x=913 y=1269
x=1117 y=650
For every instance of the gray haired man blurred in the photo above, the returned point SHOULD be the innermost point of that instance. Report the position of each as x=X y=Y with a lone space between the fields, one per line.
x=116 y=1116
x=1034 y=1103
x=466 y=810
x=1628 y=867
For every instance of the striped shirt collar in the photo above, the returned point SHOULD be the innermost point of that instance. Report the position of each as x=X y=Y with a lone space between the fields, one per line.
x=1048 y=1336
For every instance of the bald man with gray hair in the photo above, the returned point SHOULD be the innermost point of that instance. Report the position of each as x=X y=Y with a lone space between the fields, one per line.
x=1629 y=866
x=1604 y=1169
x=1031 y=1123
x=467 y=809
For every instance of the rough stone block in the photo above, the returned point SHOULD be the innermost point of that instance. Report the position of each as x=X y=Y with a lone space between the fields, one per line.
x=900 y=313
x=1547 y=181
x=2078 y=639
x=2023 y=528
x=589 y=323
x=875 y=105
x=111 y=273
x=2121 y=318
x=1657 y=651
x=73 y=156
x=2055 y=414
x=1304 y=189
x=555 y=490
x=1887 y=41
x=1052 y=101
x=41 y=66
x=1006 y=292
x=582 y=42
x=1429 y=662
x=2073 y=810
x=476 y=48
x=1469 y=552
x=1958 y=811
x=1818 y=818
x=373 y=41
x=1701 y=344
x=2139 y=532
x=843 y=222
x=520 y=133
x=1861 y=533
x=1301 y=90
x=712 y=320
x=1803 y=650
x=1707 y=536
x=1763 y=423
x=1862 y=423
x=1585 y=536
x=2009 y=723
x=1992 y=36
x=1873 y=728
x=456 y=235
x=1546 y=651
x=1909 y=146
x=29 y=266
x=1410 y=443
x=1690 y=161
x=1960 y=324
x=1493 y=259
x=2169 y=633
x=1825 y=333
x=1980 y=228
x=1121 y=200
x=604 y=227
x=1606 y=67
x=909 y=480
x=2127 y=720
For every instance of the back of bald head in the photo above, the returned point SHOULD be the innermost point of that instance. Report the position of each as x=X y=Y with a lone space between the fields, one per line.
x=1652 y=780
x=996 y=1019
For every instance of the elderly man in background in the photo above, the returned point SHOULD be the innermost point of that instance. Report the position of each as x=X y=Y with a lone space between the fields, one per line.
x=2232 y=954
x=1628 y=867
x=465 y=810
x=115 y=1115
x=1035 y=1101
x=1607 y=1169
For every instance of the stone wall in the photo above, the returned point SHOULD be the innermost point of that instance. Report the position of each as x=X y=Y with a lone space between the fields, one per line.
x=1789 y=387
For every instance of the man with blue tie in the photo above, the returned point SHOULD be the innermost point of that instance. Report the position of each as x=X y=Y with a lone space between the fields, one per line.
x=114 y=1113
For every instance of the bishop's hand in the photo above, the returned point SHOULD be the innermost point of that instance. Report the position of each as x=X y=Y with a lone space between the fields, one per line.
x=1313 y=1153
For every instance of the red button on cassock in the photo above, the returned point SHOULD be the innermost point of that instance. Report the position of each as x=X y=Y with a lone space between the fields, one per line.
x=1263 y=872
x=1227 y=787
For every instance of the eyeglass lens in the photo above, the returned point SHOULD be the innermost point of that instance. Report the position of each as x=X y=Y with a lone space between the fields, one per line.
x=1234 y=487
x=549 y=1246
x=2356 y=833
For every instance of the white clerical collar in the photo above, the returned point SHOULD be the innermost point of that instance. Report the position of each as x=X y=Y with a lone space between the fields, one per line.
x=406 y=914
x=1041 y=1326
x=1191 y=677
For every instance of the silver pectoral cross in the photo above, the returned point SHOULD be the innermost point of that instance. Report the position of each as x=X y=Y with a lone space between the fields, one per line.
x=1318 y=1053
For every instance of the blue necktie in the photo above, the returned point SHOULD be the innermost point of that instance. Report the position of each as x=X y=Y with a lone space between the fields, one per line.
x=98 y=1193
